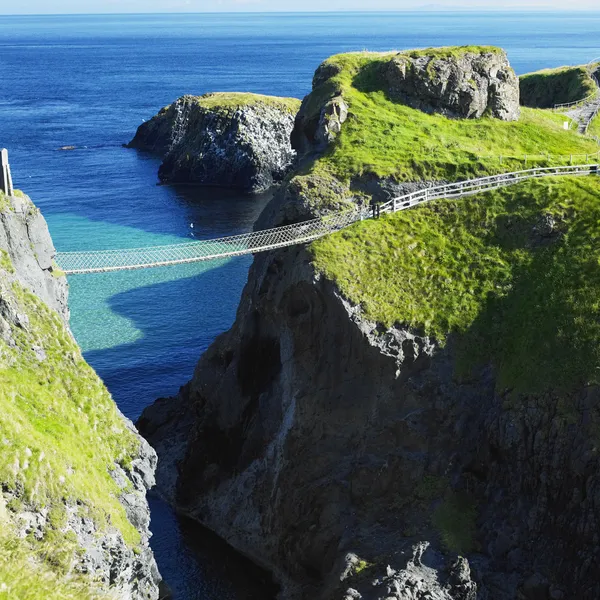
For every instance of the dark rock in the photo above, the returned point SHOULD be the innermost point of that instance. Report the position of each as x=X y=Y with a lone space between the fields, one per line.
x=536 y=587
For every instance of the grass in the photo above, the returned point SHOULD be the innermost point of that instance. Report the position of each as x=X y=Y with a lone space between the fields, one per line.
x=475 y=267
x=594 y=128
x=387 y=139
x=544 y=89
x=455 y=519
x=234 y=100
x=24 y=577
x=451 y=51
x=61 y=433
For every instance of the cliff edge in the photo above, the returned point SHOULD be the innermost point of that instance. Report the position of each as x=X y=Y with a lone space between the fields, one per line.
x=74 y=522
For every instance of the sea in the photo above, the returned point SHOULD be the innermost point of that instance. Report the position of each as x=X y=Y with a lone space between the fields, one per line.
x=87 y=82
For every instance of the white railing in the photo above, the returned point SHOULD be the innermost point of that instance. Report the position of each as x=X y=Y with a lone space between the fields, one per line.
x=288 y=235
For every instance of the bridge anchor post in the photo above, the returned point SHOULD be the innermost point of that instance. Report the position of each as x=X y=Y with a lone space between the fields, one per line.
x=6 y=184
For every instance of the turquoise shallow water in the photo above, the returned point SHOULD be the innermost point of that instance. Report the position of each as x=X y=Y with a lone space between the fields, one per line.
x=88 y=81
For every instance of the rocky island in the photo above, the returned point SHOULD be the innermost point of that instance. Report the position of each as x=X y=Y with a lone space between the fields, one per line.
x=240 y=141
x=74 y=522
x=408 y=409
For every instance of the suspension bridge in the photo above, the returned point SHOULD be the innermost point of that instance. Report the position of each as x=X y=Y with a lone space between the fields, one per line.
x=288 y=235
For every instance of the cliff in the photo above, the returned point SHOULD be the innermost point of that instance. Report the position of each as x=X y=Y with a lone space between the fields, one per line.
x=405 y=409
x=232 y=140
x=73 y=471
x=546 y=88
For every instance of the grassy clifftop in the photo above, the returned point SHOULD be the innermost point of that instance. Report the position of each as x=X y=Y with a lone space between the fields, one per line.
x=544 y=89
x=515 y=273
x=228 y=101
x=385 y=138
x=60 y=435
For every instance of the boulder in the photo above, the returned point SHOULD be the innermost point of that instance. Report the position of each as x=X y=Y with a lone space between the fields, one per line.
x=458 y=83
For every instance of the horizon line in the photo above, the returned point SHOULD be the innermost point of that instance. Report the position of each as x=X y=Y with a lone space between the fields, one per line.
x=425 y=8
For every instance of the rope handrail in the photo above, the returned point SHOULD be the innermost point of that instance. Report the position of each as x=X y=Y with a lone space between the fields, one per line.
x=96 y=261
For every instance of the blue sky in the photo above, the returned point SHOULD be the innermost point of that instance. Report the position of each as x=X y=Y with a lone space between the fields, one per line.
x=141 y=6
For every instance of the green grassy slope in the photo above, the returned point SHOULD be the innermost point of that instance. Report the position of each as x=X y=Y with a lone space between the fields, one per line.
x=544 y=89
x=60 y=434
x=477 y=267
x=595 y=126
x=384 y=138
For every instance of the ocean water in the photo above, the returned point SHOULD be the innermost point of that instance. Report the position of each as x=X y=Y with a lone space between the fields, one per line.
x=89 y=81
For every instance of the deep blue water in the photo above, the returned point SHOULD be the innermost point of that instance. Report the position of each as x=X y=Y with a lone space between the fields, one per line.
x=88 y=81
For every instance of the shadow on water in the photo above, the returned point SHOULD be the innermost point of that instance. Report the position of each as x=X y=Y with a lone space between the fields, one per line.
x=215 y=571
x=171 y=322
x=195 y=563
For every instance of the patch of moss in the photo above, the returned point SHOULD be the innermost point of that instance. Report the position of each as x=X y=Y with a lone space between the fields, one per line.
x=544 y=89
x=477 y=267
x=5 y=262
x=455 y=520
x=5 y=203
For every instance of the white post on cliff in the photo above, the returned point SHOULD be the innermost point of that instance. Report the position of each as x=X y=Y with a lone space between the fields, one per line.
x=6 y=184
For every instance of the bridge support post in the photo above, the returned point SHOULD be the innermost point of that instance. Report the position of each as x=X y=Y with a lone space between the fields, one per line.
x=6 y=184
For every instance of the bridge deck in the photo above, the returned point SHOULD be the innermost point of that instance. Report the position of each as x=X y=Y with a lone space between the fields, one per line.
x=289 y=235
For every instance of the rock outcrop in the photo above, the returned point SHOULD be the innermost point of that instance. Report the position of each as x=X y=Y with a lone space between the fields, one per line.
x=546 y=88
x=24 y=236
x=240 y=141
x=461 y=83
x=73 y=471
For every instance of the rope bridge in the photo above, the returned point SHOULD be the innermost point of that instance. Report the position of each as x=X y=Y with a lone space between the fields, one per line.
x=288 y=235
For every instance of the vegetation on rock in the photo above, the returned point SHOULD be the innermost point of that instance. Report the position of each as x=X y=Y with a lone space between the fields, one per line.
x=594 y=128
x=233 y=100
x=514 y=272
x=385 y=139
x=544 y=89
x=60 y=435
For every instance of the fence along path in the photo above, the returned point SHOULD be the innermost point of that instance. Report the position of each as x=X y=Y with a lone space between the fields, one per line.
x=582 y=112
x=288 y=235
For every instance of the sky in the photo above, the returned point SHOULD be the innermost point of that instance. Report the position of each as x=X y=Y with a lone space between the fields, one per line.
x=153 y=6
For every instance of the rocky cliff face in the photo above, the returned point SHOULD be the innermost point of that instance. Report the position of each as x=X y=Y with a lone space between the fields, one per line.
x=73 y=471
x=240 y=141
x=24 y=236
x=351 y=459
x=326 y=449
